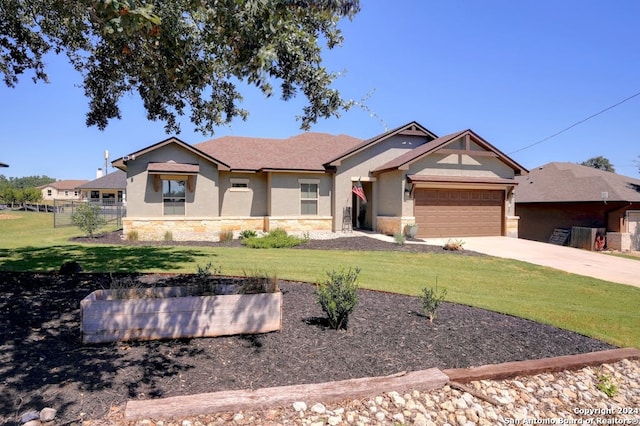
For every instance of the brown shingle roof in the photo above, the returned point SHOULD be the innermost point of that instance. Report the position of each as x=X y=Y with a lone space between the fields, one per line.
x=307 y=151
x=568 y=182
x=69 y=184
x=114 y=180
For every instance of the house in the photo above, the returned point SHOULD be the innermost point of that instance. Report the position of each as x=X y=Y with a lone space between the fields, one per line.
x=108 y=189
x=62 y=190
x=563 y=195
x=455 y=185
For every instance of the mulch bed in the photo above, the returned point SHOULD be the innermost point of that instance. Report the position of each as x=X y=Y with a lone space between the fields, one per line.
x=44 y=364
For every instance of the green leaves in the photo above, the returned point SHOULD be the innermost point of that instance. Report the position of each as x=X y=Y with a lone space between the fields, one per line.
x=181 y=56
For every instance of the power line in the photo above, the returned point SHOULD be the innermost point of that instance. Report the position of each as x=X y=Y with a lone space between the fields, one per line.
x=577 y=123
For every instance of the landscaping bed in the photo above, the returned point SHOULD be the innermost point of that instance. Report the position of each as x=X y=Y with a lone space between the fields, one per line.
x=43 y=362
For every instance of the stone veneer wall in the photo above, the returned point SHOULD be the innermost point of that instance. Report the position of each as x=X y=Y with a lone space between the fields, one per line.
x=389 y=225
x=620 y=241
x=512 y=226
x=299 y=224
x=208 y=229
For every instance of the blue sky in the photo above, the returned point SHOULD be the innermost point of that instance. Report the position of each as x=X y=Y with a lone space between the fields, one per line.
x=516 y=72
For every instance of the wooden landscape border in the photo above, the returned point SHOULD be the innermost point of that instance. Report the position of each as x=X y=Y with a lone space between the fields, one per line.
x=265 y=398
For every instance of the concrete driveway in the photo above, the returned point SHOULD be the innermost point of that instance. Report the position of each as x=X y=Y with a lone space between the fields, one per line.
x=577 y=261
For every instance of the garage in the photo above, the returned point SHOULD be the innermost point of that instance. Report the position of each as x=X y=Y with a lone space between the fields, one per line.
x=442 y=212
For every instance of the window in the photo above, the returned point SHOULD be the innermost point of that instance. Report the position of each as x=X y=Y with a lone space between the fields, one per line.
x=239 y=184
x=48 y=193
x=174 y=197
x=309 y=198
x=95 y=195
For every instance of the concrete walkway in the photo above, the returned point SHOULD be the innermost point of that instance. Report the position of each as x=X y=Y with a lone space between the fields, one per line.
x=577 y=261
x=582 y=262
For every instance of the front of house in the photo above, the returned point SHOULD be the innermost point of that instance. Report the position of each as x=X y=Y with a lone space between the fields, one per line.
x=453 y=186
x=62 y=190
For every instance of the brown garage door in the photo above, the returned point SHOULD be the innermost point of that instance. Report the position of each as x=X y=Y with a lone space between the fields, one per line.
x=458 y=212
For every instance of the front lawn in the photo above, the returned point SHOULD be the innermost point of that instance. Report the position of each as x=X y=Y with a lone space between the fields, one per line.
x=589 y=306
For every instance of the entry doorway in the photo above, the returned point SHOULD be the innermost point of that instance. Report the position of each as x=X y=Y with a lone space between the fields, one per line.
x=361 y=213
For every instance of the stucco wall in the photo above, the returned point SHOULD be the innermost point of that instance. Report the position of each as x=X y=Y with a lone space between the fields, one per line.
x=285 y=193
x=461 y=165
x=251 y=201
x=359 y=165
x=144 y=201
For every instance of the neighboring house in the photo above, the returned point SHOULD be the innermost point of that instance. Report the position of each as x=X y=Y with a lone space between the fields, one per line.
x=62 y=190
x=564 y=195
x=109 y=189
x=453 y=186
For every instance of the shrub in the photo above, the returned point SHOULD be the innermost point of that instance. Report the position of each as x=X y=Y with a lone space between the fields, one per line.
x=431 y=301
x=259 y=281
x=278 y=238
x=399 y=238
x=226 y=235
x=88 y=218
x=248 y=233
x=338 y=296
x=132 y=236
x=454 y=245
x=168 y=236
x=606 y=385
x=204 y=272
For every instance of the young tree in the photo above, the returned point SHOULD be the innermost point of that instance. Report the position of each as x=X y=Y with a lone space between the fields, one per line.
x=181 y=55
x=88 y=217
x=599 y=162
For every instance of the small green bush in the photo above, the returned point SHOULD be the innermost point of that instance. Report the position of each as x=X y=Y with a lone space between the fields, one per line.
x=132 y=236
x=278 y=238
x=431 y=301
x=399 y=238
x=88 y=217
x=338 y=296
x=205 y=271
x=606 y=385
x=248 y=233
x=168 y=236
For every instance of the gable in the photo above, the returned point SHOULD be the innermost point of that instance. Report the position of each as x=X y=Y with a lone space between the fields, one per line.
x=410 y=130
x=170 y=144
x=464 y=149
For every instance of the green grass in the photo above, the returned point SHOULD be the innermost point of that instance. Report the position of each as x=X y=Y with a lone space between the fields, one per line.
x=592 y=307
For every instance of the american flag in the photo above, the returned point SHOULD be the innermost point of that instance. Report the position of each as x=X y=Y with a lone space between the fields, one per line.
x=357 y=189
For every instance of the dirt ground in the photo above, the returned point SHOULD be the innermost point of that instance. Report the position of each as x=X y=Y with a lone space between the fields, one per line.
x=44 y=364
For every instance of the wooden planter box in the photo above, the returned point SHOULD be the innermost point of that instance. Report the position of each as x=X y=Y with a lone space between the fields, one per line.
x=169 y=315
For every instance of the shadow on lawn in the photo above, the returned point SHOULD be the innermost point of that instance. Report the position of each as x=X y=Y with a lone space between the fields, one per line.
x=43 y=362
x=97 y=258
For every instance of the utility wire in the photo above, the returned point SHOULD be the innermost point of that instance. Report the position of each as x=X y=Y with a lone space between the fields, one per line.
x=577 y=123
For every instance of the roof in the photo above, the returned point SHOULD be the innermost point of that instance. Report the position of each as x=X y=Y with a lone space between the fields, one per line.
x=405 y=160
x=114 y=180
x=4 y=165
x=69 y=184
x=307 y=151
x=569 y=182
